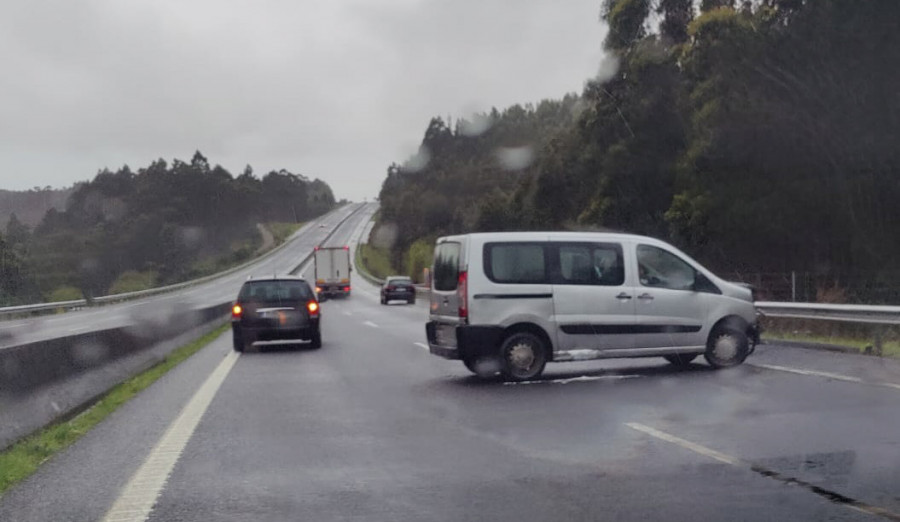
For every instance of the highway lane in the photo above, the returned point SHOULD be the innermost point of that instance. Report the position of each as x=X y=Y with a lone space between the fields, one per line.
x=372 y=427
x=219 y=290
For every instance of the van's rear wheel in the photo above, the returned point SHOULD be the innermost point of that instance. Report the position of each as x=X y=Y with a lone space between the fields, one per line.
x=726 y=347
x=523 y=356
x=681 y=359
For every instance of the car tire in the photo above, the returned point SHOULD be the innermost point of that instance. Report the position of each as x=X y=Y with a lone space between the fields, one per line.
x=523 y=356
x=238 y=343
x=681 y=359
x=726 y=347
x=316 y=341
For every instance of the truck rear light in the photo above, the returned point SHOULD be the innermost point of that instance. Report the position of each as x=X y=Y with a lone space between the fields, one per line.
x=313 y=308
x=462 y=293
x=346 y=288
x=236 y=311
x=346 y=247
x=318 y=289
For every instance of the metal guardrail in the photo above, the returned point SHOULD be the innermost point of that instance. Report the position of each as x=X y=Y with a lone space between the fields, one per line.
x=867 y=314
x=126 y=296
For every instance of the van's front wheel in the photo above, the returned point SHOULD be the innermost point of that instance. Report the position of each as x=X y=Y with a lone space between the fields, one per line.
x=726 y=347
x=523 y=356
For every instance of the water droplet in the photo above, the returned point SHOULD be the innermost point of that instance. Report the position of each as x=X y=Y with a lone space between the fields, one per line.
x=514 y=158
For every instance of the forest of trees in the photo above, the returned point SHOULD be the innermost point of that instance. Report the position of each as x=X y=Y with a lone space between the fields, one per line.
x=761 y=136
x=159 y=221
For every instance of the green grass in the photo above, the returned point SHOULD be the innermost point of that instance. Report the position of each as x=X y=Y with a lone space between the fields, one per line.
x=890 y=348
x=282 y=231
x=64 y=293
x=23 y=458
x=376 y=261
x=133 y=281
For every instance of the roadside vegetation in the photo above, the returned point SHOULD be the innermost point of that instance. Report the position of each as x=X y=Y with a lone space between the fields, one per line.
x=282 y=231
x=130 y=230
x=23 y=458
x=758 y=136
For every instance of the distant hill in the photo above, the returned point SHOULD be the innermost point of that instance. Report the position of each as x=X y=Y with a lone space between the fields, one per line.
x=31 y=205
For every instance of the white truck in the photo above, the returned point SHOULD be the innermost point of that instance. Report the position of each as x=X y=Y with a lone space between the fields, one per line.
x=332 y=271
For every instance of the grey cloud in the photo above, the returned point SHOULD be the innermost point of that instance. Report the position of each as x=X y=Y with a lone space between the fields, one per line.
x=335 y=89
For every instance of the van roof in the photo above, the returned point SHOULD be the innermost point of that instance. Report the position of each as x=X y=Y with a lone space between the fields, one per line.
x=542 y=236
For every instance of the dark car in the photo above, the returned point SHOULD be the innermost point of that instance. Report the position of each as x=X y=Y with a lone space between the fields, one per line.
x=399 y=288
x=276 y=311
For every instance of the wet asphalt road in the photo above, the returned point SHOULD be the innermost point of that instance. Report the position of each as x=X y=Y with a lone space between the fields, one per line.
x=372 y=427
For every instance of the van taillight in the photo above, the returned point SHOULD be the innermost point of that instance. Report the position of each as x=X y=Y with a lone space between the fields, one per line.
x=462 y=293
x=236 y=311
x=313 y=308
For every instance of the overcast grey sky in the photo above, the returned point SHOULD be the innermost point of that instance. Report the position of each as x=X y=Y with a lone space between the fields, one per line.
x=335 y=89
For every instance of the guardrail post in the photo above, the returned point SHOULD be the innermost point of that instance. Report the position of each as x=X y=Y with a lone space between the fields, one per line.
x=879 y=339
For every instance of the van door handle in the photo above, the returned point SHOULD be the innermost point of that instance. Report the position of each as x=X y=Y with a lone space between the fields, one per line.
x=646 y=297
x=623 y=295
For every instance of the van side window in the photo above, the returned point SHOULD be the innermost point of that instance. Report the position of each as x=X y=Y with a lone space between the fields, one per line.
x=591 y=264
x=661 y=269
x=511 y=263
x=446 y=266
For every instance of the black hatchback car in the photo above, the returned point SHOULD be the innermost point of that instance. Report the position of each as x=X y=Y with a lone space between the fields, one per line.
x=398 y=287
x=275 y=311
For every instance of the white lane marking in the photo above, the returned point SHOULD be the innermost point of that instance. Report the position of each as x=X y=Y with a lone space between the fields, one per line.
x=138 y=497
x=345 y=312
x=849 y=503
x=422 y=345
x=686 y=444
x=370 y=323
x=582 y=378
x=827 y=375
x=16 y=325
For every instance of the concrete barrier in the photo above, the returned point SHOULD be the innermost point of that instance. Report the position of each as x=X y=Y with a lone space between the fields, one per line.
x=44 y=381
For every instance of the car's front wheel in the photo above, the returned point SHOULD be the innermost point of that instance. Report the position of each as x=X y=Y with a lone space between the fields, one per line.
x=726 y=347
x=523 y=356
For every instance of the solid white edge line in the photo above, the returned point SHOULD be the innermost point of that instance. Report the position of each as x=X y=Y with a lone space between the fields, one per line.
x=827 y=375
x=422 y=345
x=686 y=444
x=139 y=495
x=370 y=323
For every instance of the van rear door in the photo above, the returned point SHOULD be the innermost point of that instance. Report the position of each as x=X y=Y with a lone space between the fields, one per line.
x=445 y=298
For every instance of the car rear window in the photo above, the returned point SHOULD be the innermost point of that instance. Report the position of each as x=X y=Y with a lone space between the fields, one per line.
x=275 y=291
x=446 y=266
x=516 y=263
x=399 y=281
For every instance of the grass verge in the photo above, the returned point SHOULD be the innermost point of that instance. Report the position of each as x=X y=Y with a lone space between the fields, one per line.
x=23 y=458
x=889 y=348
x=282 y=231
x=376 y=261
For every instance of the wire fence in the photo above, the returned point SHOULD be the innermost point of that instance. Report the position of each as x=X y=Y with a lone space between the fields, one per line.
x=882 y=288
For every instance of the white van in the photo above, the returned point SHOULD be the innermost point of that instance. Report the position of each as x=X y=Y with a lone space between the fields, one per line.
x=513 y=301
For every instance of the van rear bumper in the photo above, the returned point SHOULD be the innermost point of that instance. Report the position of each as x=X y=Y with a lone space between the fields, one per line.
x=472 y=342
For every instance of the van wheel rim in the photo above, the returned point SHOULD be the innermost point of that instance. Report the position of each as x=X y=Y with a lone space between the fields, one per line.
x=521 y=356
x=726 y=348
